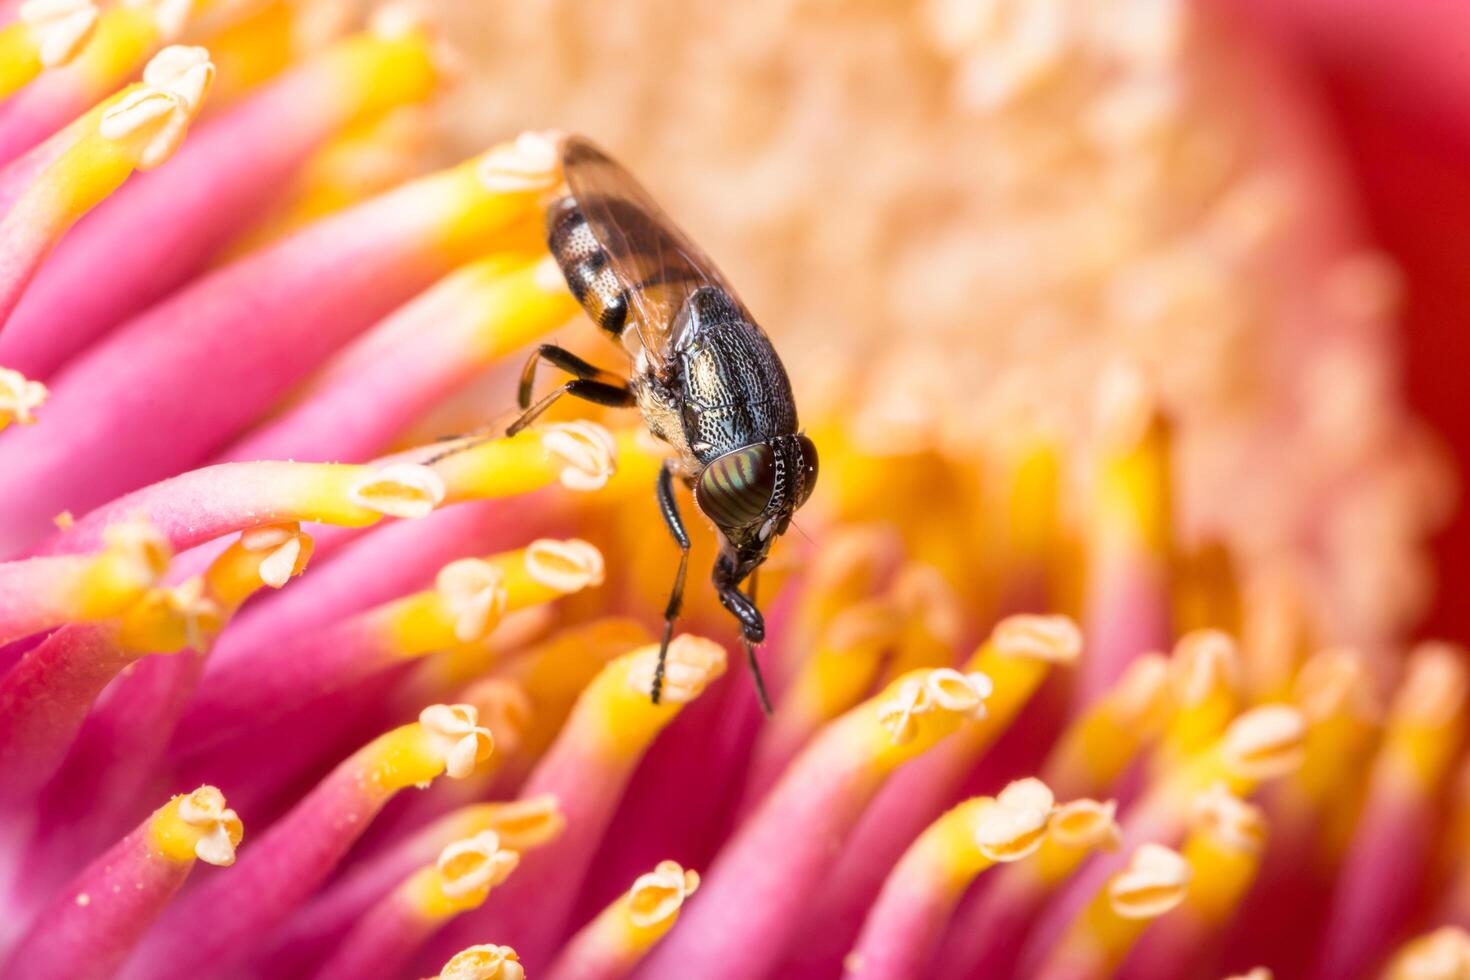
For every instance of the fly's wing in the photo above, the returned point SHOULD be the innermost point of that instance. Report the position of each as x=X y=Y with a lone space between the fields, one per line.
x=654 y=261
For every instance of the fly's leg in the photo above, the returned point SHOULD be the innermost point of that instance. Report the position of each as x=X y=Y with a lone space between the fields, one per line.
x=597 y=392
x=557 y=357
x=752 y=625
x=669 y=507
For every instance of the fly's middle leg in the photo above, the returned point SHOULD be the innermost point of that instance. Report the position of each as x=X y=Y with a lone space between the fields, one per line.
x=669 y=508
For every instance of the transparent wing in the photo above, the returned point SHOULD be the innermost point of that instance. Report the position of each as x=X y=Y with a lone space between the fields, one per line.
x=654 y=260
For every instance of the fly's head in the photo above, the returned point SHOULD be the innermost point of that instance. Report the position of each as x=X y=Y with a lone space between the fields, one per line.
x=750 y=494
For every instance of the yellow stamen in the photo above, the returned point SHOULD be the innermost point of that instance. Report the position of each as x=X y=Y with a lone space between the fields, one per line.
x=470 y=595
x=1224 y=852
x=1154 y=882
x=453 y=733
x=521 y=824
x=461 y=878
x=1338 y=697
x=1018 y=656
x=1426 y=720
x=46 y=34
x=135 y=556
x=1075 y=830
x=844 y=664
x=1205 y=678
x=484 y=963
x=19 y=398
x=197 y=825
x=1441 y=955
x=933 y=619
x=616 y=713
x=581 y=455
x=843 y=571
x=1098 y=746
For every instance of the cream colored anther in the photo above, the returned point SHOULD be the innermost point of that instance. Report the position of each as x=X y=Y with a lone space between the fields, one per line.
x=140 y=542
x=474 y=592
x=1052 y=638
x=205 y=808
x=532 y=162
x=484 y=963
x=897 y=714
x=150 y=121
x=478 y=863
x=461 y=740
x=1153 y=883
x=1013 y=826
x=1265 y=742
x=658 y=895
x=1085 y=823
x=691 y=665
x=1231 y=821
x=399 y=490
x=566 y=566
x=59 y=28
x=963 y=693
x=19 y=397
x=184 y=70
x=286 y=547
x=587 y=450
x=169 y=16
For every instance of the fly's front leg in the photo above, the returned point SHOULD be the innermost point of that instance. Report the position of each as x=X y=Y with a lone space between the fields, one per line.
x=752 y=624
x=669 y=507
x=562 y=358
x=614 y=394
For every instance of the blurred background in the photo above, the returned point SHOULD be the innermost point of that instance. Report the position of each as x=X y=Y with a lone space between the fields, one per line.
x=968 y=208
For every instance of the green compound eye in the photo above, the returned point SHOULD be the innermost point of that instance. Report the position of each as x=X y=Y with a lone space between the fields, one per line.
x=735 y=489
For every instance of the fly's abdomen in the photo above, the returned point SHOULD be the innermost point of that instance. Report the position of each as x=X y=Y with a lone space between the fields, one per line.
x=587 y=268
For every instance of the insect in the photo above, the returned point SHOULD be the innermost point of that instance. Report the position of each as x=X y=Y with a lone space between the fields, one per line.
x=704 y=375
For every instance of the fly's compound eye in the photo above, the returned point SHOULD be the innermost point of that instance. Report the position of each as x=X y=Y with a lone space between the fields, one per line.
x=808 y=468
x=735 y=489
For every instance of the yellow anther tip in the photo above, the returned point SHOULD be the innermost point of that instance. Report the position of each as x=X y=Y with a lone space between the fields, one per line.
x=691 y=665
x=220 y=829
x=457 y=734
x=1265 y=742
x=1228 y=819
x=1154 y=882
x=657 y=896
x=475 y=864
x=587 y=451
x=1013 y=826
x=1085 y=824
x=1052 y=638
x=399 y=490
x=531 y=162
x=61 y=28
x=566 y=566
x=484 y=963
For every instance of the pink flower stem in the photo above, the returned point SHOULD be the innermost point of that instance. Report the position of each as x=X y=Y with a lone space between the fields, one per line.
x=89 y=929
x=44 y=698
x=164 y=229
x=174 y=384
x=220 y=921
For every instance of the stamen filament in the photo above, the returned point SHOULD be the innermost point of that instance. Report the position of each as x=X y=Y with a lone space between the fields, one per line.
x=904 y=926
x=393 y=930
x=291 y=859
x=587 y=769
x=804 y=819
x=468 y=600
x=612 y=945
x=91 y=927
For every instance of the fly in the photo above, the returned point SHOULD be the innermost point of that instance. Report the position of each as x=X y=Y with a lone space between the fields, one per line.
x=704 y=375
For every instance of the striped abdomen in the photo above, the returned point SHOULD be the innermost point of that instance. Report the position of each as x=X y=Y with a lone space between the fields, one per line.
x=587 y=267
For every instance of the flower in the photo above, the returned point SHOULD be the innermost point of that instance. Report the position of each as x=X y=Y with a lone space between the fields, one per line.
x=1093 y=655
